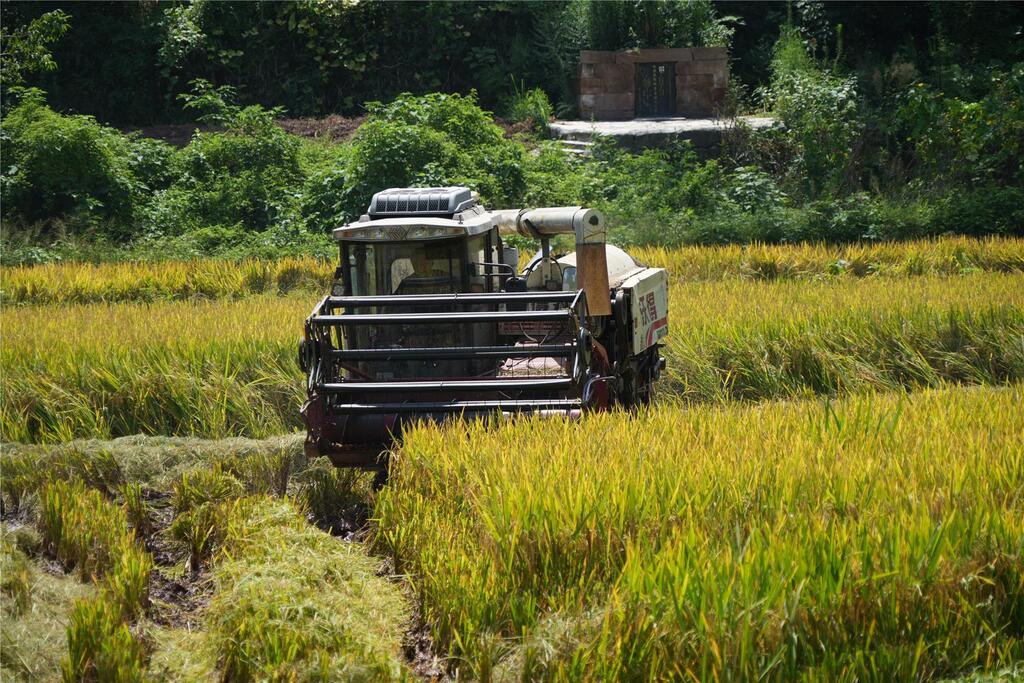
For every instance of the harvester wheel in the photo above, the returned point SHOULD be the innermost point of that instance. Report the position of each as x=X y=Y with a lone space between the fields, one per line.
x=638 y=380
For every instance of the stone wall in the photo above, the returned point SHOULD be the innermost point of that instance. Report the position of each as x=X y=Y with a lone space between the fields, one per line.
x=607 y=81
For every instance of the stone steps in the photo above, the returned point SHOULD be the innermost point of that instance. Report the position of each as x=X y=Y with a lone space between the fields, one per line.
x=575 y=147
x=639 y=134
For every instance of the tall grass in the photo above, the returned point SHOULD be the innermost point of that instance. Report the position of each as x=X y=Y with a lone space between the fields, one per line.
x=66 y=283
x=878 y=538
x=225 y=368
x=940 y=256
x=72 y=283
x=214 y=369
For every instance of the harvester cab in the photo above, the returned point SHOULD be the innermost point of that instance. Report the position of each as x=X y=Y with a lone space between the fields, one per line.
x=430 y=317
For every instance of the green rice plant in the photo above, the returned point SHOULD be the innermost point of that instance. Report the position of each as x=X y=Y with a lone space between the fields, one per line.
x=847 y=353
x=156 y=463
x=213 y=369
x=813 y=261
x=80 y=527
x=84 y=530
x=24 y=473
x=262 y=472
x=333 y=496
x=15 y=579
x=874 y=538
x=126 y=585
x=20 y=477
x=224 y=368
x=204 y=485
x=198 y=531
x=99 y=470
x=101 y=647
x=197 y=499
x=136 y=510
x=78 y=283
x=24 y=538
x=33 y=640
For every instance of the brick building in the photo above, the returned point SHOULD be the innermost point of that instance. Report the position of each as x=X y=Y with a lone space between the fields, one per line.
x=618 y=86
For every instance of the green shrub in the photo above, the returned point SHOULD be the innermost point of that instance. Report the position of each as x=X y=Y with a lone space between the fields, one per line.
x=981 y=211
x=553 y=179
x=248 y=175
x=654 y=196
x=459 y=117
x=821 y=119
x=396 y=154
x=435 y=139
x=322 y=205
x=56 y=165
x=959 y=141
x=529 y=106
x=754 y=191
x=151 y=162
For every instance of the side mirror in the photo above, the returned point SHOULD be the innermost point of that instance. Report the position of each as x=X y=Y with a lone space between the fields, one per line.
x=510 y=257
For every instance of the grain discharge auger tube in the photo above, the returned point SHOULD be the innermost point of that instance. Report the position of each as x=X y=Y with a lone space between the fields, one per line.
x=430 y=317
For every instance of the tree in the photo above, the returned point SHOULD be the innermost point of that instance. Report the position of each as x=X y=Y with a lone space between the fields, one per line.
x=26 y=49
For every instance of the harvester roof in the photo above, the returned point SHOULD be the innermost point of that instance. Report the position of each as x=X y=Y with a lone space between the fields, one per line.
x=418 y=213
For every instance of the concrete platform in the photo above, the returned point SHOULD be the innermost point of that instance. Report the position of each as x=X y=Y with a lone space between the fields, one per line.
x=638 y=134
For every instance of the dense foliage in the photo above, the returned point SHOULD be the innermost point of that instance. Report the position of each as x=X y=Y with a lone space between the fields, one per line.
x=924 y=142
x=127 y=62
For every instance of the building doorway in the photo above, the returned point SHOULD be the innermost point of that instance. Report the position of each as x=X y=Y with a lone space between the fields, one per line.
x=655 y=93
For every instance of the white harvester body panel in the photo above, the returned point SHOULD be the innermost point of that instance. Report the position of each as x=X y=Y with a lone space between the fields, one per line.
x=648 y=307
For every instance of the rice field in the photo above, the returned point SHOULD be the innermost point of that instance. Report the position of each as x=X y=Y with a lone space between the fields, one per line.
x=830 y=487
x=880 y=538
x=226 y=367
x=61 y=283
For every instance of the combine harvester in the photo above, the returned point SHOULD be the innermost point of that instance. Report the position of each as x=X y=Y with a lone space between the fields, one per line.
x=429 y=317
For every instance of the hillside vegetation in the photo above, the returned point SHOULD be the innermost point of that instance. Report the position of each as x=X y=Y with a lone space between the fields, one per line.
x=898 y=142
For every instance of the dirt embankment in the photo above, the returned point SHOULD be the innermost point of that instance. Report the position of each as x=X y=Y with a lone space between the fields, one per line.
x=333 y=128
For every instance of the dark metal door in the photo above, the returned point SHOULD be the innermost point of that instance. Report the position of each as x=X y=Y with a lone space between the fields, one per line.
x=655 y=89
